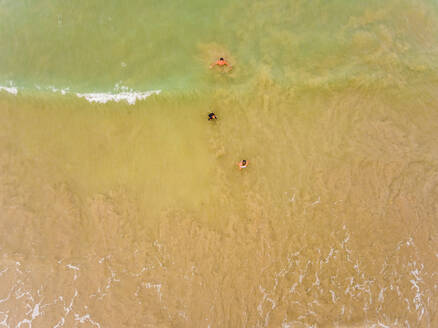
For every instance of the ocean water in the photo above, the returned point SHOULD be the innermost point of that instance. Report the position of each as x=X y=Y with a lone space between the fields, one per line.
x=122 y=206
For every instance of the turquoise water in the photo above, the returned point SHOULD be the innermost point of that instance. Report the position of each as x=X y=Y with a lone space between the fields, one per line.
x=167 y=44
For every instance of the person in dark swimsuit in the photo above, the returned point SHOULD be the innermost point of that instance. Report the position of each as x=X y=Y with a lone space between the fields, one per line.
x=243 y=164
x=212 y=116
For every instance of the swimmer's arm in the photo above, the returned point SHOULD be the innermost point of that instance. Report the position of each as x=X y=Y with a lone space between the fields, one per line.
x=213 y=65
x=228 y=65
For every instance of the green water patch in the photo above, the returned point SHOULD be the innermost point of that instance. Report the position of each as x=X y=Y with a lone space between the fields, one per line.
x=168 y=45
x=89 y=45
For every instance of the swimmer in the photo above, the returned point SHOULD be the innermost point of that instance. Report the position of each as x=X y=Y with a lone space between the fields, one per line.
x=243 y=164
x=221 y=62
x=212 y=116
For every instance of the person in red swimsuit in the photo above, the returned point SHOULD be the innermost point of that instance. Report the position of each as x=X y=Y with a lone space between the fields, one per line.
x=221 y=62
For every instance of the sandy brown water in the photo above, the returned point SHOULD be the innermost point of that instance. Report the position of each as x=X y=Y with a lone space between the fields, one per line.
x=114 y=215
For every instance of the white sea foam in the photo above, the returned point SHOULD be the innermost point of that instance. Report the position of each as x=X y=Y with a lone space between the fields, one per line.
x=12 y=90
x=62 y=91
x=154 y=286
x=72 y=267
x=292 y=289
x=3 y=271
x=120 y=93
x=130 y=97
x=75 y=268
x=4 y=322
x=381 y=295
x=36 y=311
x=60 y=323
x=333 y=296
x=86 y=318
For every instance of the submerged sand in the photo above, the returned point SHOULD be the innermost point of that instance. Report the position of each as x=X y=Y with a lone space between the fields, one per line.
x=126 y=216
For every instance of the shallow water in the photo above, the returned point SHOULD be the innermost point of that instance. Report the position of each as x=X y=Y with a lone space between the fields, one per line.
x=118 y=215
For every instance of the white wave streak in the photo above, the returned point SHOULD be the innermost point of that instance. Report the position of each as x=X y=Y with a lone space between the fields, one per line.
x=85 y=318
x=12 y=90
x=129 y=97
x=120 y=93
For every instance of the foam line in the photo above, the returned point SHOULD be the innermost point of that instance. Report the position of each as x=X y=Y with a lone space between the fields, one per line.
x=12 y=90
x=120 y=93
x=130 y=97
